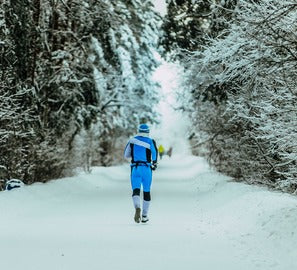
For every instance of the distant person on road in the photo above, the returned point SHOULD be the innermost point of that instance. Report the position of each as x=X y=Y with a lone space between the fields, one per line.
x=161 y=151
x=169 y=152
x=143 y=153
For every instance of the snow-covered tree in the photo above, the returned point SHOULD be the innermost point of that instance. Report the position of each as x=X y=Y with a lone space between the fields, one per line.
x=188 y=24
x=249 y=124
x=122 y=55
x=73 y=67
x=17 y=118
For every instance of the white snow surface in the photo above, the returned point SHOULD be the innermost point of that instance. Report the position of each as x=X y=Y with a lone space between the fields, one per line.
x=199 y=219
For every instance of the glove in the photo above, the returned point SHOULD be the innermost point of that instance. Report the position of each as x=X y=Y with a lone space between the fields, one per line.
x=154 y=165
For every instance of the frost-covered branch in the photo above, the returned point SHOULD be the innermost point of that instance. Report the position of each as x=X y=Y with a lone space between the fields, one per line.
x=243 y=85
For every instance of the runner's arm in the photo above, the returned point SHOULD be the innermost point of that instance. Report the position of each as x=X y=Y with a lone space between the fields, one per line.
x=127 y=152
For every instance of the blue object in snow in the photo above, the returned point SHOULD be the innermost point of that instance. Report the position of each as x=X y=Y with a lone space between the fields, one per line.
x=13 y=183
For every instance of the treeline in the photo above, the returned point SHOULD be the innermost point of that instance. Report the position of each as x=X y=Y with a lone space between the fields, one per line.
x=75 y=78
x=240 y=87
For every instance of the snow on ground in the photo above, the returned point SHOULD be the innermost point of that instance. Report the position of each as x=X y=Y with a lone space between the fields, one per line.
x=199 y=219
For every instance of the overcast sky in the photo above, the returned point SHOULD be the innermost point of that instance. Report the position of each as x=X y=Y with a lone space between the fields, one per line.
x=160 y=6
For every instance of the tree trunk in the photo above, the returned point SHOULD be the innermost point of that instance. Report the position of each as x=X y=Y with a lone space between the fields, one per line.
x=35 y=47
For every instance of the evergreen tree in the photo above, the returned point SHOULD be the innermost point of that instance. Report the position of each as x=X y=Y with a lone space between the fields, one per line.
x=17 y=136
x=70 y=68
x=189 y=24
x=123 y=62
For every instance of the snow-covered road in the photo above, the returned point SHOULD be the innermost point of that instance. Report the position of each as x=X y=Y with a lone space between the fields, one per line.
x=198 y=220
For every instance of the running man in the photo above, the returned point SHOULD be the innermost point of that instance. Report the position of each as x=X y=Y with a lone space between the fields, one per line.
x=143 y=153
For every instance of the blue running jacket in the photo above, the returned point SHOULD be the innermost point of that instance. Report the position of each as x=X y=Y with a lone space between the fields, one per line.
x=141 y=149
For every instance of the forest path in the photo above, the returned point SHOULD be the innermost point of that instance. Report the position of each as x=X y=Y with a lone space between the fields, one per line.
x=198 y=220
